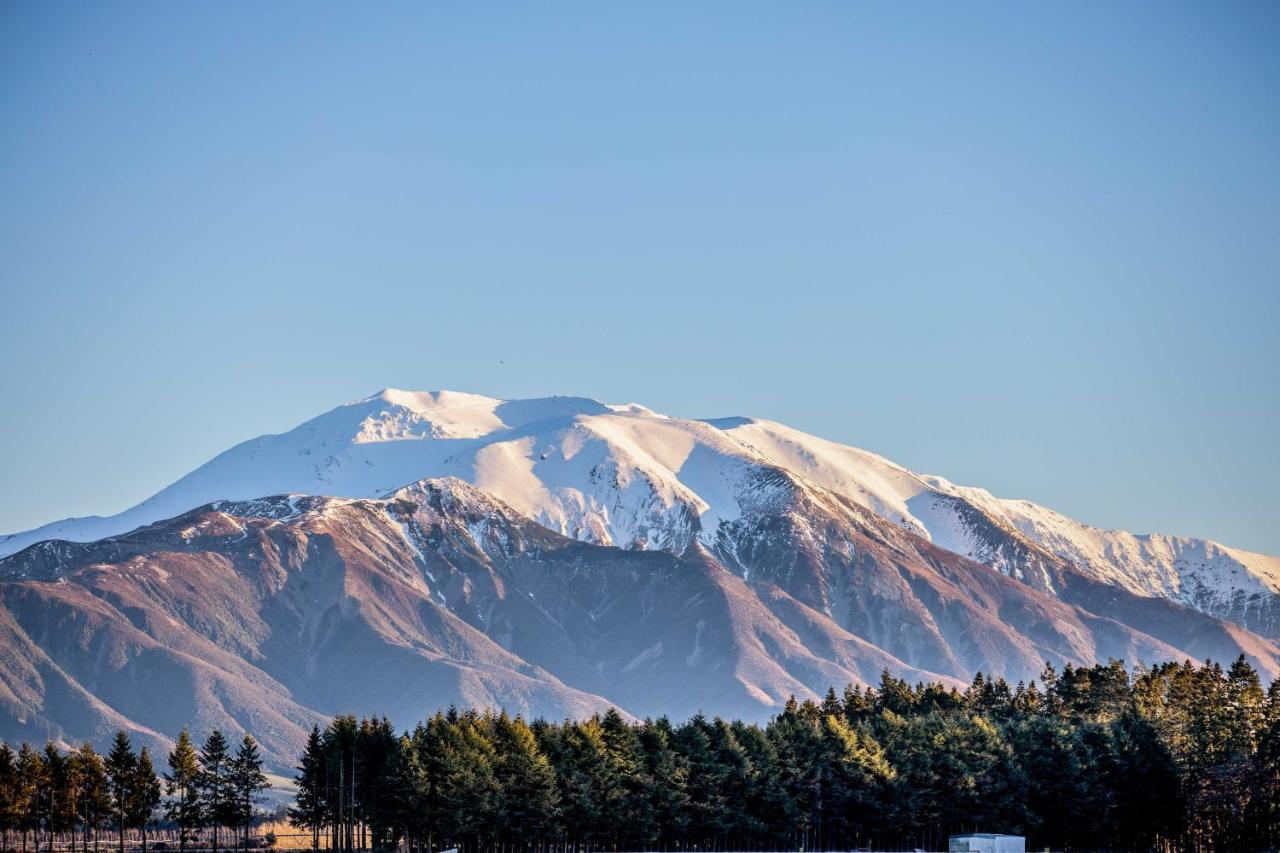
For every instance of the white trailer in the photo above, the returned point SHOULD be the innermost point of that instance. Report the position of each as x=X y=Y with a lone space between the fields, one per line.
x=986 y=842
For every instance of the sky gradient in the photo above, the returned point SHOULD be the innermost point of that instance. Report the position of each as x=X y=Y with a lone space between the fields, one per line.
x=1031 y=247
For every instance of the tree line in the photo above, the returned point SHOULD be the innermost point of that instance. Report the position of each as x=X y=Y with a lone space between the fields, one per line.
x=1174 y=757
x=85 y=796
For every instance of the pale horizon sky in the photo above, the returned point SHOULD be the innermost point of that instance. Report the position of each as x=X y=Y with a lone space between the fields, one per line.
x=1030 y=247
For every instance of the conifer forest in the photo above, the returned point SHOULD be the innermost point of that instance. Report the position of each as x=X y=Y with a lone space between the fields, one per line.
x=1176 y=757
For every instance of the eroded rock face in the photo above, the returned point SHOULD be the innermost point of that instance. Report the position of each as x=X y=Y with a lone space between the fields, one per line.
x=275 y=613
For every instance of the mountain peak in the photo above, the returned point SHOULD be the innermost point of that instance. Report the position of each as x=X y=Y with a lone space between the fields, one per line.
x=394 y=414
x=627 y=475
x=424 y=402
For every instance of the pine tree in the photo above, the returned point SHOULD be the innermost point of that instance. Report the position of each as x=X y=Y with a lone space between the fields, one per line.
x=831 y=704
x=120 y=775
x=734 y=775
x=29 y=777
x=668 y=775
x=854 y=782
x=217 y=801
x=182 y=784
x=1246 y=707
x=578 y=753
x=1147 y=794
x=52 y=794
x=1060 y=790
x=69 y=801
x=447 y=771
x=895 y=694
x=410 y=790
x=376 y=744
x=1265 y=814
x=625 y=787
x=144 y=795
x=479 y=782
x=341 y=772
x=796 y=736
x=530 y=799
x=310 y=804
x=247 y=782
x=768 y=811
x=856 y=705
x=705 y=781
x=94 y=802
x=8 y=793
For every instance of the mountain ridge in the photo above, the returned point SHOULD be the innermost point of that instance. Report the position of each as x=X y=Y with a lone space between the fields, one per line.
x=627 y=475
x=269 y=614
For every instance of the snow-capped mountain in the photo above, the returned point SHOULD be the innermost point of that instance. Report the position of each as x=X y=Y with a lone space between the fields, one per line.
x=271 y=614
x=631 y=477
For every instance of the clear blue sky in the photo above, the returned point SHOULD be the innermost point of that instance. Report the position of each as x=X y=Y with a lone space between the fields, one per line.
x=1033 y=247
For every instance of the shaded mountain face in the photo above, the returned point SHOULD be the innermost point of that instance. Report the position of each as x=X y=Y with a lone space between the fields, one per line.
x=272 y=614
x=627 y=476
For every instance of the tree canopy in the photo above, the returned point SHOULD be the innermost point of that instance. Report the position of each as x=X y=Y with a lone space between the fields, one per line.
x=1179 y=756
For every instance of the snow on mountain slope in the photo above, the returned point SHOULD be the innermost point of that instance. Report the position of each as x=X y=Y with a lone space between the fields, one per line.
x=1197 y=572
x=1227 y=582
x=629 y=476
x=361 y=449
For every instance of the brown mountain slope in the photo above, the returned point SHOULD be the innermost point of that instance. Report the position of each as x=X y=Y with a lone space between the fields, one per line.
x=269 y=615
